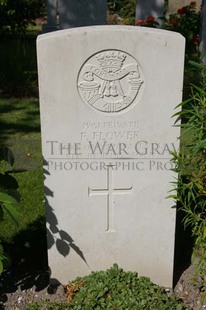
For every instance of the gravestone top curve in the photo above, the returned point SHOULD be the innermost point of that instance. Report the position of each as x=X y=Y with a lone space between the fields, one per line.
x=108 y=28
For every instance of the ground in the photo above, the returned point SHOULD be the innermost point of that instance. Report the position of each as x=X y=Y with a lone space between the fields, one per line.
x=19 y=289
x=187 y=291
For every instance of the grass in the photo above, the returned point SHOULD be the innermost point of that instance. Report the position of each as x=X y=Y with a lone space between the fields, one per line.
x=20 y=130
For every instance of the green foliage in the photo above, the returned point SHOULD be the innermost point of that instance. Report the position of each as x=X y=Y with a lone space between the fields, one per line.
x=125 y=9
x=8 y=187
x=6 y=203
x=20 y=129
x=191 y=168
x=115 y=289
x=3 y=259
x=47 y=306
x=16 y=15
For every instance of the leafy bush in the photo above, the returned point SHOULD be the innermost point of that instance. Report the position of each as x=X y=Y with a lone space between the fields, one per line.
x=48 y=306
x=149 y=21
x=114 y=289
x=187 y=22
x=124 y=9
x=8 y=197
x=16 y=15
x=191 y=168
x=17 y=50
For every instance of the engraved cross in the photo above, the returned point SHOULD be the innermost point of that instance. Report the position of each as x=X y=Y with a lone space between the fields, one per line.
x=109 y=191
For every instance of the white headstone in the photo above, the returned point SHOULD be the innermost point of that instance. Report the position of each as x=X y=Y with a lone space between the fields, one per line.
x=145 y=8
x=107 y=94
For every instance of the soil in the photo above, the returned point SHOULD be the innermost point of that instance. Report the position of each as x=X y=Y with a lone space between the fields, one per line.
x=17 y=290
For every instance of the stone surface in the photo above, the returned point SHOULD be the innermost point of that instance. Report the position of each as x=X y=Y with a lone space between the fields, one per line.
x=77 y=13
x=74 y=14
x=51 y=8
x=146 y=8
x=107 y=94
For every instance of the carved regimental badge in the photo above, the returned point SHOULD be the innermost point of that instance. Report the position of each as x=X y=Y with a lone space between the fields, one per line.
x=110 y=81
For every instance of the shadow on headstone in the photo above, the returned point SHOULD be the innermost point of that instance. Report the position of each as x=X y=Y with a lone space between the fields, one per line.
x=55 y=236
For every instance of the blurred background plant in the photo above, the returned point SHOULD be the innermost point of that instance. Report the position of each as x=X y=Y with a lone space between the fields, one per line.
x=21 y=20
x=149 y=21
x=121 y=12
x=16 y=15
x=18 y=31
x=191 y=167
x=187 y=22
